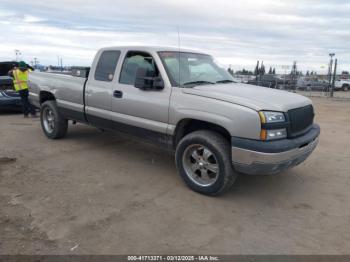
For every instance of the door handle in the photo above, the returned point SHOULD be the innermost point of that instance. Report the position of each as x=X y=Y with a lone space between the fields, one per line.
x=118 y=94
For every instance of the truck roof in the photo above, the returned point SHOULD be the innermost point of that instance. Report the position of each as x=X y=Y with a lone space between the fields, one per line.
x=152 y=49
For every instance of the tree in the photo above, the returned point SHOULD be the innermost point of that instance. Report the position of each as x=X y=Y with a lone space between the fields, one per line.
x=274 y=71
x=244 y=72
x=256 y=71
x=262 y=68
x=345 y=73
x=270 y=71
x=230 y=71
x=307 y=73
x=294 y=71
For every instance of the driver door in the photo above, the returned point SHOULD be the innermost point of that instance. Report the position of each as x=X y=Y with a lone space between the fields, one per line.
x=136 y=111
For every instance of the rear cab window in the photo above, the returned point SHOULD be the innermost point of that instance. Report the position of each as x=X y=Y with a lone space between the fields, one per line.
x=106 y=65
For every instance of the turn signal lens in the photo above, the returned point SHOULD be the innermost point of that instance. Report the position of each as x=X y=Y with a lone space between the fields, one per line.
x=263 y=134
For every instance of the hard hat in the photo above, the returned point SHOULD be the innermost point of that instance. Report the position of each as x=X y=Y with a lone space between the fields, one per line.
x=22 y=64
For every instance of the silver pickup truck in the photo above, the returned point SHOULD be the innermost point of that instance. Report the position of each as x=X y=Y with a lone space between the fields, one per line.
x=183 y=100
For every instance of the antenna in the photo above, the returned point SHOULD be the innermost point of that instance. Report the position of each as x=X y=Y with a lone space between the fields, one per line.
x=179 y=46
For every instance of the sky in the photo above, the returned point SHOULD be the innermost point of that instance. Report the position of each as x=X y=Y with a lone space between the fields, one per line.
x=236 y=32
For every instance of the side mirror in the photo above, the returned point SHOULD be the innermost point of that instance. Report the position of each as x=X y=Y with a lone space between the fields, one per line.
x=145 y=81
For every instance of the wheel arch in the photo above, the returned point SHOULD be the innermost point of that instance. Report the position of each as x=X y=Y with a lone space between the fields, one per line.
x=46 y=96
x=189 y=125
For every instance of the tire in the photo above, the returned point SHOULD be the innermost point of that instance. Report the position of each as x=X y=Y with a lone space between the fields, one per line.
x=345 y=87
x=53 y=123
x=192 y=152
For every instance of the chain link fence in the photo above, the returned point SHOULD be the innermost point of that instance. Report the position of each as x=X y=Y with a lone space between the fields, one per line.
x=310 y=86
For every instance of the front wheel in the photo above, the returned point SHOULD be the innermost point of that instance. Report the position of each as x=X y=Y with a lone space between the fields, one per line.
x=53 y=123
x=345 y=88
x=203 y=159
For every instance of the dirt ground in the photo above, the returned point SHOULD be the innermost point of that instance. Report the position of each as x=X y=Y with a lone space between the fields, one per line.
x=102 y=193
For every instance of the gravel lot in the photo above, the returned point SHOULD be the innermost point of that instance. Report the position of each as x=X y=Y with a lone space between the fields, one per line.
x=102 y=193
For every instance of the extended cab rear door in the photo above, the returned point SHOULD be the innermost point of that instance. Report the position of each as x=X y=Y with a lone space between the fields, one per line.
x=99 y=88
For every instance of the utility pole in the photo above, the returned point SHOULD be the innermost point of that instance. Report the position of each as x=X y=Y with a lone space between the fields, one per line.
x=36 y=62
x=330 y=70
x=285 y=67
x=334 y=75
x=17 y=53
x=294 y=68
x=294 y=74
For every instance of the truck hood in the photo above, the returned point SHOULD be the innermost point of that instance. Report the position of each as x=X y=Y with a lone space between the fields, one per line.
x=254 y=97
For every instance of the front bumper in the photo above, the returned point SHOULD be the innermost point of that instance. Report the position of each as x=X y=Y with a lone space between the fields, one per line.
x=260 y=157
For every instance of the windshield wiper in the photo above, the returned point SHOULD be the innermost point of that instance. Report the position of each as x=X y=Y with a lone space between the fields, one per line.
x=225 y=81
x=200 y=82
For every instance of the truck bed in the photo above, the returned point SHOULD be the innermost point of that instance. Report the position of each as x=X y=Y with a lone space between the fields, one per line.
x=67 y=89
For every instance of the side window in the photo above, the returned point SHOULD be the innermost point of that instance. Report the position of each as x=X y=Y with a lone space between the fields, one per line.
x=133 y=61
x=106 y=65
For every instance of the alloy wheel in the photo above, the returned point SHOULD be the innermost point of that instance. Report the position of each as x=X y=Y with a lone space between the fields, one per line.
x=200 y=165
x=49 y=120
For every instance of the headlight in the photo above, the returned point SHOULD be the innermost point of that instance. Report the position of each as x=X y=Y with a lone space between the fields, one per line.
x=272 y=125
x=268 y=117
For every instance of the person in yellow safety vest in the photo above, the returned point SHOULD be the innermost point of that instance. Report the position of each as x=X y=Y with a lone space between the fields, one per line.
x=20 y=83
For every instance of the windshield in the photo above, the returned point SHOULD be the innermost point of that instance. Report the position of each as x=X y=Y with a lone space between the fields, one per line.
x=193 y=69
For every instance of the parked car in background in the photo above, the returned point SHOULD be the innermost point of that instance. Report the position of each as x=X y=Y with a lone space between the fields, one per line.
x=342 y=84
x=6 y=82
x=243 y=78
x=183 y=101
x=269 y=80
x=312 y=84
x=9 y=99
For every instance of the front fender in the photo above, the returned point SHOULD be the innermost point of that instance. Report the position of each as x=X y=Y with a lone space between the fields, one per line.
x=238 y=120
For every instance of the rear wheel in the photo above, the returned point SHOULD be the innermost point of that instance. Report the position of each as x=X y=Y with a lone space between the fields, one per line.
x=203 y=159
x=53 y=123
